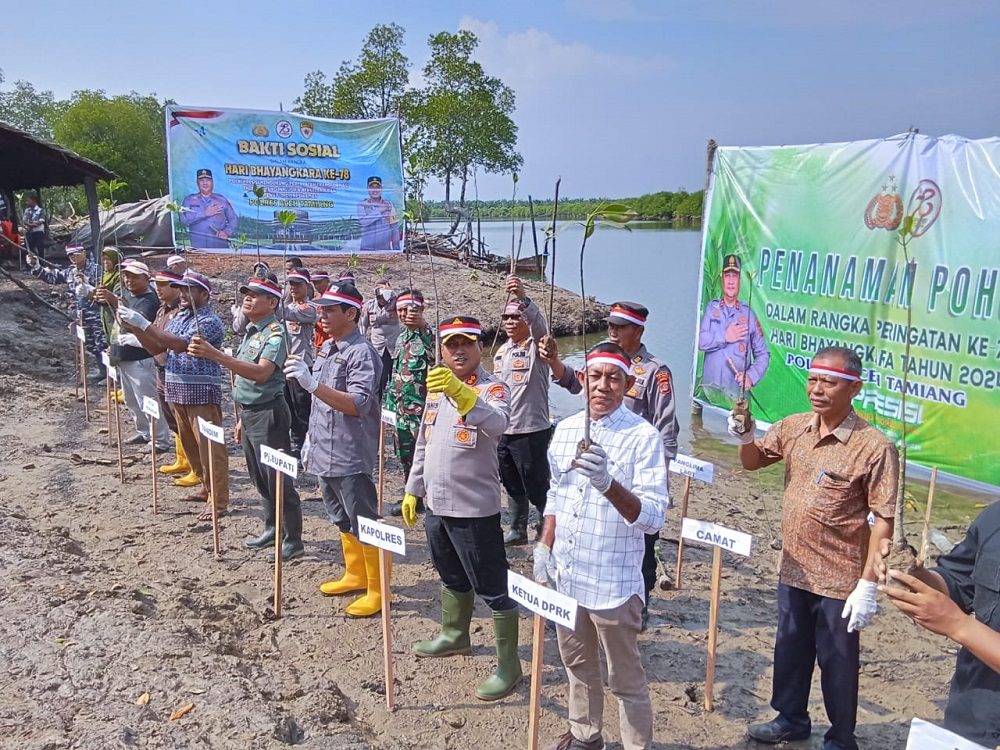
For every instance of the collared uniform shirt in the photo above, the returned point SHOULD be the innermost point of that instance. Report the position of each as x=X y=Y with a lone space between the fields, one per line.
x=77 y=281
x=831 y=484
x=33 y=215
x=407 y=391
x=300 y=320
x=716 y=370
x=526 y=376
x=341 y=444
x=163 y=317
x=598 y=554
x=972 y=572
x=455 y=465
x=263 y=340
x=194 y=380
x=379 y=226
x=203 y=227
x=381 y=324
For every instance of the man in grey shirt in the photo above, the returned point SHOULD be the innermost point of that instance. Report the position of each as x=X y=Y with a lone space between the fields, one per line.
x=299 y=315
x=455 y=470
x=380 y=324
x=343 y=438
x=524 y=466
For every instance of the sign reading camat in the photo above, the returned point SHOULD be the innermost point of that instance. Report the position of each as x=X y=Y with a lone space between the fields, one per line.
x=381 y=535
x=543 y=601
x=717 y=536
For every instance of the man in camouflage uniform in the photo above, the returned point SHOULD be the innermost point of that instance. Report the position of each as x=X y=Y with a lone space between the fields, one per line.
x=407 y=392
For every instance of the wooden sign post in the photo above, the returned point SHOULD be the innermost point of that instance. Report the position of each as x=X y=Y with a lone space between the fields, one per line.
x=721 y=538
x=283 y=464
x=388 y=539
x=151 y=407
x=113 y=377
x=232 y=384
x=107 y=386
x=690 y=468
x=548 y=604
x=213 y=434
x=925 y=536
x=82 y=337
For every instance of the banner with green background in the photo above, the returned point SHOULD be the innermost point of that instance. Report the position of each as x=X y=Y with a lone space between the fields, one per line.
x=816 y=231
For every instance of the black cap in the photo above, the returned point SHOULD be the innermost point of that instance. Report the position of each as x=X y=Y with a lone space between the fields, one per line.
x=732 y=263
x=628 y=312
x=203 y=173
x=374 y=180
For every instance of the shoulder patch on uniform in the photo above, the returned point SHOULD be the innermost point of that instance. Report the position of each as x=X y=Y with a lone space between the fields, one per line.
x=275 y=326
x=663 y=381
x=497 y=391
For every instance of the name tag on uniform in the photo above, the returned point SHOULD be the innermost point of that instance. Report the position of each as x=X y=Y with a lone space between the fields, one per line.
x=430 y=415
x=465 y=435
x=339 y=360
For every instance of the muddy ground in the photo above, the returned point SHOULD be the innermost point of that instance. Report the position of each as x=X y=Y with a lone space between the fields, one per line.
x=104 y=603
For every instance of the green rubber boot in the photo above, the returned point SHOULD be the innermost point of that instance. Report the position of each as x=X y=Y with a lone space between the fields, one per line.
x=508 y=671
x=456 y=615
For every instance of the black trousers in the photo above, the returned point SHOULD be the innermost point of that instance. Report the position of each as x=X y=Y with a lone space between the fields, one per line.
x=268 y=425
x=810 y=629
x=386 y=372
x=649 y=563
x=468 y=553
x=299 y=402
x=524 y=471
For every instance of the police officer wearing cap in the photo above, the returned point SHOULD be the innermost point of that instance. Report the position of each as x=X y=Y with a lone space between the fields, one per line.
x=264 y=418
x=342 y=443
x=379 y=221
x=455 y=469
x=209 y=215
x=651 y=396
x=380 y=325
x=736 y=355
x=524 y=467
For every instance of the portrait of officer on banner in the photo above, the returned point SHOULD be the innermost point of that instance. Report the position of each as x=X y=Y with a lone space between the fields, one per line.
x=736 y=354
x=379 y=221
x=209 y=215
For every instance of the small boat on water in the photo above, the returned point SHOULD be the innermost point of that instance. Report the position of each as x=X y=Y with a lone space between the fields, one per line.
x=533 y=264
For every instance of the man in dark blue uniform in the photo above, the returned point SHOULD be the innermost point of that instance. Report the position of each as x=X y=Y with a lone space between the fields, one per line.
x=208 y=215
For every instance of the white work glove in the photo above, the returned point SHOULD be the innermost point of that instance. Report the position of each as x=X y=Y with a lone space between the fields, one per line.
x=542 y=564
x=132 y=317
x=33 y=262
x=593 y=464
x=745 y=438
x=85 y=290
x=861 y=606
x=297 y=369
x=235 y=310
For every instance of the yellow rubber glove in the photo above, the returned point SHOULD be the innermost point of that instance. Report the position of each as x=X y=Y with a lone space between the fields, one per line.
x=443 y=380
x=409 y=510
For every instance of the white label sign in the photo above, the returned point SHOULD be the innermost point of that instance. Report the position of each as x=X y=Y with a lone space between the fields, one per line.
x=105 y=359
x=717 y=536
x=381 y=535
x=389 y=417
x=692 y=467
x=151 y=406
x=212 y=431
x=927 y=736
x=543 y=601
x=113 y=373
x=279 y=461
x=80 y=334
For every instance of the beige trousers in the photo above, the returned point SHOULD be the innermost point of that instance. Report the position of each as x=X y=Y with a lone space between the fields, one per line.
x=200 y=450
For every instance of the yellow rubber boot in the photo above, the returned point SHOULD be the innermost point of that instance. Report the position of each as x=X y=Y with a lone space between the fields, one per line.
x=354 y=568
x=179 y=466
x=371 y=603
x=188 y=480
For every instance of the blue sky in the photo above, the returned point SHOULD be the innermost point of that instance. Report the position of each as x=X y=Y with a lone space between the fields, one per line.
x=618 y=97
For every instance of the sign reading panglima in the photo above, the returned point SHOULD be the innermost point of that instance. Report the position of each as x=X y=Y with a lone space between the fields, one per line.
x=815 y=232
x=289 y=183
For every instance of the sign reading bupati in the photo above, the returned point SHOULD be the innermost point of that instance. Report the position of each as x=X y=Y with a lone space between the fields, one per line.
x=886 y=247
x=285 y=182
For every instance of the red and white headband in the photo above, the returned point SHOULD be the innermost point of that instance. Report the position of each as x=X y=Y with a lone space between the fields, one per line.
x=609 y=358
x=297 y=276
x=832 y=372
x=512 y=308
x=627 y=315
x=407 y=300
x=264 y=286
x=332 y=297
x=466 y=329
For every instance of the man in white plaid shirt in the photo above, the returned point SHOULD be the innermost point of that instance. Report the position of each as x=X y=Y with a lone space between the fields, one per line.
x=601 y=504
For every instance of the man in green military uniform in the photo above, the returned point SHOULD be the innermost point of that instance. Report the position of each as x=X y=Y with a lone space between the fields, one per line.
x=264 y=419
x=407 y=391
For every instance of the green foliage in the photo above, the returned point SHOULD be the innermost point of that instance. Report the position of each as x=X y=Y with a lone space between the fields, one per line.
x=354 y=261
x=380 y=270
x=287 y=218
x=33 y=111
x=662 y=206
x=371 y=87
x=124 y=133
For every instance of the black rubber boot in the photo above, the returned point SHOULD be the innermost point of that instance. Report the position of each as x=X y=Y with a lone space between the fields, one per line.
x=263 y=541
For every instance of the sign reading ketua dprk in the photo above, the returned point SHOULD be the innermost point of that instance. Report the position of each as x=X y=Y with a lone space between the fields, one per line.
x=712 y=534
x=284 y=182
x=543 y=601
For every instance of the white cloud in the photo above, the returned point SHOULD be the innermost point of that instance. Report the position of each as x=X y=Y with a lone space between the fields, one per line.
x=603 y=10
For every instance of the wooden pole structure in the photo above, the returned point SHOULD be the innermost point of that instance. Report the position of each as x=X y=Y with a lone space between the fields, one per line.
x=384 y=561
x=211 y=498
x=537 y=659
x=79 y=369
x=279 y=505
x=713 y=624
x=83 y=367
x=922 y=552
x=381 y=463
x=152 y=442
x=107 y=383
x=118 y=425
x=680 y=539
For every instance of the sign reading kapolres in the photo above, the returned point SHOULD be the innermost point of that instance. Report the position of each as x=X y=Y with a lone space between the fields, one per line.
x=803 y=249
x=289 y=183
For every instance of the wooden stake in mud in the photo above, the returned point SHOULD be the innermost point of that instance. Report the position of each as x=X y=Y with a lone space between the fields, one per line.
x=924 y=538
x=152 y=409
x=680 y=540
x=107 y=387
x=82 y=336
x=283 y=465
x=384 y=560
x=713 y=624
x=113 y=375
x=535 y=702
x=212 y=433
x=78 y=368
